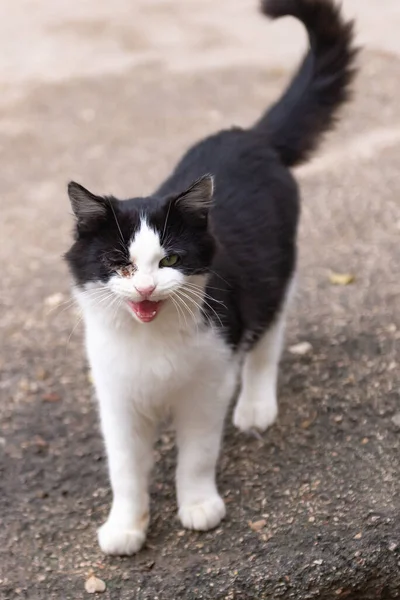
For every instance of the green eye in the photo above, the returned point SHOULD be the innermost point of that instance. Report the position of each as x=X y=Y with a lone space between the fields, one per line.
x=169 y=261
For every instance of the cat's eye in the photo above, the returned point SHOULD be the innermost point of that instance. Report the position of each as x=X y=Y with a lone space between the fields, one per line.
x=169 y=261
x=127 y=270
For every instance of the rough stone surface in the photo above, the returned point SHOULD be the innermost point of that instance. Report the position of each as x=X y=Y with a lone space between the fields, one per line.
x=90 y=93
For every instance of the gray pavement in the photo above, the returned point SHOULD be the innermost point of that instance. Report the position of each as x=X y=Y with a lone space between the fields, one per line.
x=110 y=94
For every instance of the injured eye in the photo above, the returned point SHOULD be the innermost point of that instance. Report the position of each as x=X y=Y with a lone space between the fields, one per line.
x=169 y=261
x=127 y=270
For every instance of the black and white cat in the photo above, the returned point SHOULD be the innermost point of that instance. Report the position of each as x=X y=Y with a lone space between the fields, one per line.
x=184 y=292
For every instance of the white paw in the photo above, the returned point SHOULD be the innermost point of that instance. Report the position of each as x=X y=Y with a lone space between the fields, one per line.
x=204 y=515
x=255 y=415
x=115 y=539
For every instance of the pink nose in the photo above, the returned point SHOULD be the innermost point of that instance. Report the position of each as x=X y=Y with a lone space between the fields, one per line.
x=145 y=291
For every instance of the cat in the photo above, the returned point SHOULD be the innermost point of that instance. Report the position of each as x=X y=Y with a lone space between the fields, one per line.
x=184 y=293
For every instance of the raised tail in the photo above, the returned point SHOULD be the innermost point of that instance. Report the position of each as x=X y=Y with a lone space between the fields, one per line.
x=295 y=124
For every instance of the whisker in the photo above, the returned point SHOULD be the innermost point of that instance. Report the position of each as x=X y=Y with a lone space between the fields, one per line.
x=177 y=307
x=220 y=276
x=67 y=304
x=165 y=223
x=200 y=290
x=117 y=306
x=210 y=287
x=199 y=307
x=116 y=220
x=105 y=298
x=181 y=309
x=73 y=330
x=187 y=307
x=205 y=302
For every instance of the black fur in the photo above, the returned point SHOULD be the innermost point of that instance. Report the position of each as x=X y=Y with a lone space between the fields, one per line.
x=106 y=225
x=308 y=108
x=247 y=243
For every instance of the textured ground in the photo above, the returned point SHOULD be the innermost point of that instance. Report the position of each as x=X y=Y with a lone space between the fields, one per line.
x=110 y=94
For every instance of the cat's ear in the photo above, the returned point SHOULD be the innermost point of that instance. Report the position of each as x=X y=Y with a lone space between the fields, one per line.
x=197 y=199
x=86 y=206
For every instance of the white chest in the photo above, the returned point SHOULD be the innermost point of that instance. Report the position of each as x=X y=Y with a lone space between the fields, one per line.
x=152 y=364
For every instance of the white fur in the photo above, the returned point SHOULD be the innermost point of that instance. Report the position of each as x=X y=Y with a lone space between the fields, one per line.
x=172 y=365
x=143 y=372
x=146 y=252
x=257 y=406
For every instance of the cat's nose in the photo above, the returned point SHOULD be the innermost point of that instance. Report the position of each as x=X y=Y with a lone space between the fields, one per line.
x=145 y=291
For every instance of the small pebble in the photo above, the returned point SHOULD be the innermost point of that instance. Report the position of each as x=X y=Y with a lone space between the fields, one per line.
x=95 y=585
x=257 y=525
x=396 y=419
x=54 y=300
x=301 y=348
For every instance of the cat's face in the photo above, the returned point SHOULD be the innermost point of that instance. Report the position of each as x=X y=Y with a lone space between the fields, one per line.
x=141 y=253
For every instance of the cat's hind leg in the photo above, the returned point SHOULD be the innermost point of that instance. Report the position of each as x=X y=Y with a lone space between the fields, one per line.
x=257 y=406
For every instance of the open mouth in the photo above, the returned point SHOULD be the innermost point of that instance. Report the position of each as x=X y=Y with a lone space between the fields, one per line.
x=146 y=310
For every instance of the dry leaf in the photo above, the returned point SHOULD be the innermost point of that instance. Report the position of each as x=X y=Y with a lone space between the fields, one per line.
x=257 y=525
x=306 y=424
x=51 y=397
x=94 y=584
x=301 y=348
x=341 y=278
x=41 y=374
x=39 y=441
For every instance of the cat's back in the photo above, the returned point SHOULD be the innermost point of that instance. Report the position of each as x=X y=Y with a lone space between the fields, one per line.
x=251 y=183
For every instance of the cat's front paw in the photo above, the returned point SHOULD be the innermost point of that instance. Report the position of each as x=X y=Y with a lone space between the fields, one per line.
x=203 y=515
x=255 y=415
x=118 y=540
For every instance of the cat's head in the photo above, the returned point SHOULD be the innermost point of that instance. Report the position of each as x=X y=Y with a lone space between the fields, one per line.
x=142 y=253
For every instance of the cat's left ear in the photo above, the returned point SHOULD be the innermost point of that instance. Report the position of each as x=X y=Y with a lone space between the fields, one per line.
x=197 y=199
x=87 y=207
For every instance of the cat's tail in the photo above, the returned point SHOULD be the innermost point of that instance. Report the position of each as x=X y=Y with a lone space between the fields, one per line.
x=308 y=107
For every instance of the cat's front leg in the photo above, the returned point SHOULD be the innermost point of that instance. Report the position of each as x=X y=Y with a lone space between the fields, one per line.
x=199 y=417
x=129 y=440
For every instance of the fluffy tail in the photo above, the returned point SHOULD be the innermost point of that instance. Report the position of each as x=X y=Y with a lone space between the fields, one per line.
x=307 y=109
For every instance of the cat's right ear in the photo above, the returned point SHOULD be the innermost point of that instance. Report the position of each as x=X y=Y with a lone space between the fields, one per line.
x=87 y=207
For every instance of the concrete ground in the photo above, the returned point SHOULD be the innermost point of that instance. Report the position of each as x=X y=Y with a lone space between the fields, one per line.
x=110 y=94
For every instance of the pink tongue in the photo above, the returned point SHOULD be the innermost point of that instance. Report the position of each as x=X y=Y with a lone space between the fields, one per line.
x=145 y=310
